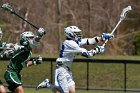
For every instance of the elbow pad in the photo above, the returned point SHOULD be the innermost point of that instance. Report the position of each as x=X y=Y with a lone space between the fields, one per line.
x=92 y=41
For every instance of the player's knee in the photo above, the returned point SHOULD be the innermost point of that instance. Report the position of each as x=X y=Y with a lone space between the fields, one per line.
x=72 y=89
x=2 y=89
x=19 y=89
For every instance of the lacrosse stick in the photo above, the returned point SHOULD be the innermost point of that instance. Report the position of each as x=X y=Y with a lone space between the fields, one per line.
x=6 y=48
x=9 y=8
x=122 y=17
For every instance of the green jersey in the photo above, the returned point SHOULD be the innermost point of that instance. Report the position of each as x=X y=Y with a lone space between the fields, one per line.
x=19 y=60
x=2 y=44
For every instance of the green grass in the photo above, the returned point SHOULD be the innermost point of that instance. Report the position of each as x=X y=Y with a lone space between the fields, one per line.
x=101 y=75
x=99 y=56
x=31 y=90
x=113 y=57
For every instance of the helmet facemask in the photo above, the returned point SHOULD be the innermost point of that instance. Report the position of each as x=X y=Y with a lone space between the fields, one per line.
x=78 y=36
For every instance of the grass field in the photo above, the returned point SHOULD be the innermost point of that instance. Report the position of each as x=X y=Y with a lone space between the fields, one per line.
x=31 y=90
x=100 y=75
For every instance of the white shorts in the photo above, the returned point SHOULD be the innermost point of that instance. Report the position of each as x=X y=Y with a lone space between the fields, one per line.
x=63 y=79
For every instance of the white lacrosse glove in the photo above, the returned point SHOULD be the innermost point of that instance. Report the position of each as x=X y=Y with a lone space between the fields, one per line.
x=59 y=61
x=37 y=60
x=9 y=53
x=41 y=32
x=6 y=53
x=18 y=47
x=100 y=49
x=107 y=36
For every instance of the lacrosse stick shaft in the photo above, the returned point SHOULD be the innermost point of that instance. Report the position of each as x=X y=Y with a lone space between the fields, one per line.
x=26 y=21
x=6 y=48
x=116 y=27
x=9 y=8
x=113 y=31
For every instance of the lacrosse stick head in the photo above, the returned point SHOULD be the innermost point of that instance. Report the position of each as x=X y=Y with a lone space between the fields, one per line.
x=8 y=7
x=124 y=12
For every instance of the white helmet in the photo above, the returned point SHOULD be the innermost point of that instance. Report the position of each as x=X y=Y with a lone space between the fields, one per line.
x=25 y=38
x=73 y=32
x=26 y=35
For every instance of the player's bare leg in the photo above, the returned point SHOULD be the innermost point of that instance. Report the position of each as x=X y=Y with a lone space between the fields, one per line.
x=19 y=89
x=72 y=89
x=2 y=89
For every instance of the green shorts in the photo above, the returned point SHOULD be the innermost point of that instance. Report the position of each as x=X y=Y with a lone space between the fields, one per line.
x=13 y=79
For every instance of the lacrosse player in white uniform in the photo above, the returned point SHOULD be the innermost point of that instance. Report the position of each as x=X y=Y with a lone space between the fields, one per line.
x=64 y=82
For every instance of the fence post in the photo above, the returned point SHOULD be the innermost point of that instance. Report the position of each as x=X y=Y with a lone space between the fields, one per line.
x=125 y=81
x=87 y=75
x=51 y=72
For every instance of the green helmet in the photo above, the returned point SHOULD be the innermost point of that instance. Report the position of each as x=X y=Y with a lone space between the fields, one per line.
x=24 y=38
x=24 y=42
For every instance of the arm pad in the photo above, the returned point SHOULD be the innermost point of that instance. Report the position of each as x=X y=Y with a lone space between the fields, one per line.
x=92 y=41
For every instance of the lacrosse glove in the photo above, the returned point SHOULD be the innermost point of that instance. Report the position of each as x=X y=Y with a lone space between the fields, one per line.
x=41 y=32
x=9 y=53
x=99 y=49
x=18 y=47
x=105 y=36
x=37 y=60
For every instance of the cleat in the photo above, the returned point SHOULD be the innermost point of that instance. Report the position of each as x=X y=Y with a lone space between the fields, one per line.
x=44 y=84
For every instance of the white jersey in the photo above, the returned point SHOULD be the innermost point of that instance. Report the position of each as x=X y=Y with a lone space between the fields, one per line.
x=70 y=48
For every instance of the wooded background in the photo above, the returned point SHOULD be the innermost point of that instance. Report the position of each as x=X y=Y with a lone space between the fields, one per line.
x=93 y=17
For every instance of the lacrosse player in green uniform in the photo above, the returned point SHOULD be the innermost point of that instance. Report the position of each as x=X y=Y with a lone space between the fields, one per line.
x=3 y=53
x=21 y=58
x=2 y=88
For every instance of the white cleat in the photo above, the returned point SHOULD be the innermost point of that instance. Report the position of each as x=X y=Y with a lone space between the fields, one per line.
x=44 y=84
